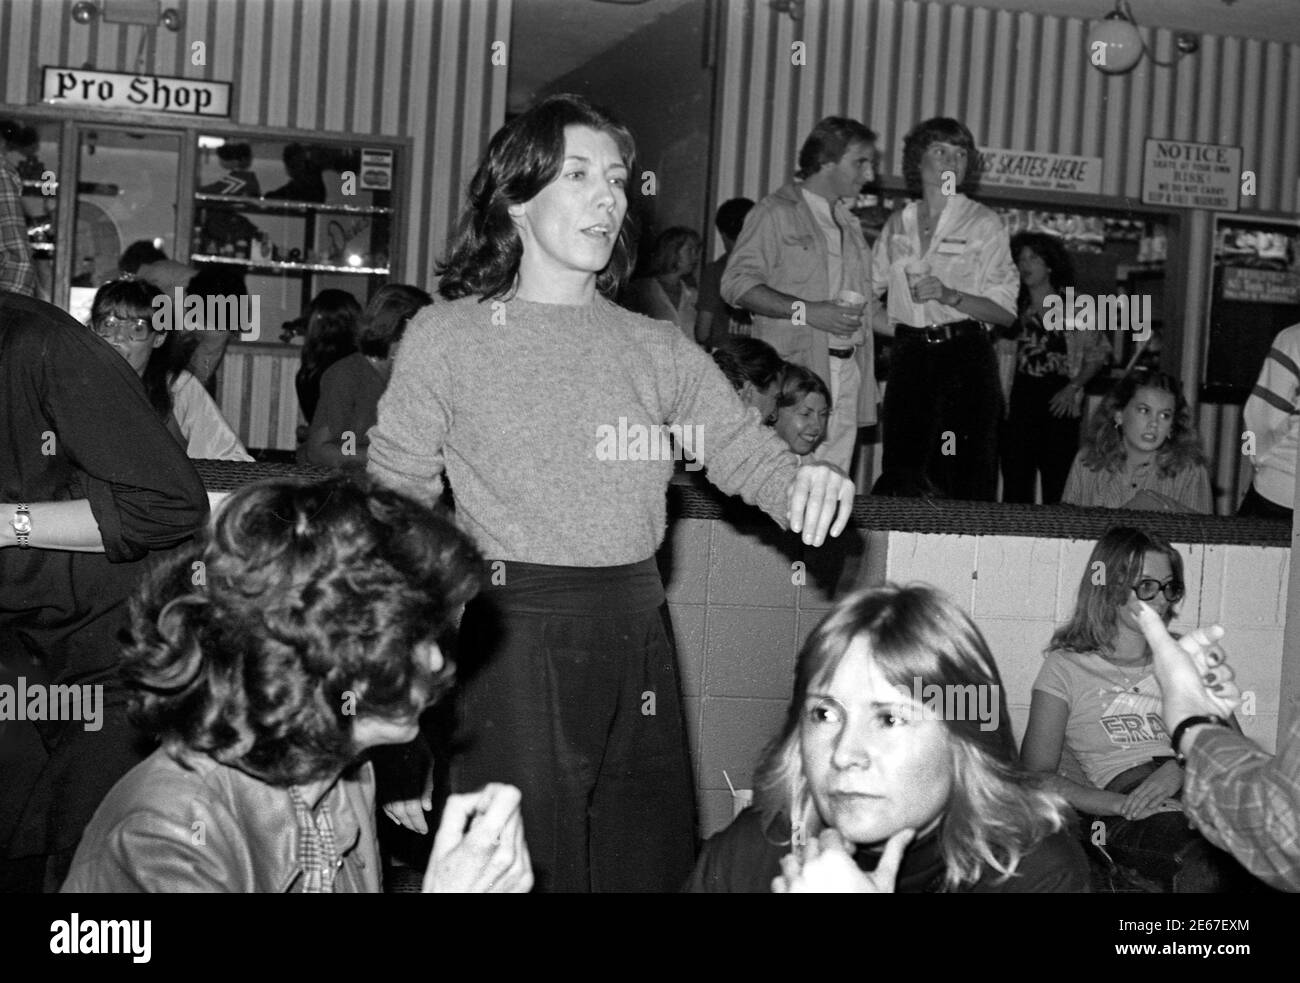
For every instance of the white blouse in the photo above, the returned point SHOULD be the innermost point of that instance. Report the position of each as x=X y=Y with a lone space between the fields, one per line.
x=969 y=251
x=207 y=434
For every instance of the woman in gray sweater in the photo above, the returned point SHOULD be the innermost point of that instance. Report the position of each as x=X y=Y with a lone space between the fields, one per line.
x=549 y=409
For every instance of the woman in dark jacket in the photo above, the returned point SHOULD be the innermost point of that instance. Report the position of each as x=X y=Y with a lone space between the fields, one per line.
x=896 y=769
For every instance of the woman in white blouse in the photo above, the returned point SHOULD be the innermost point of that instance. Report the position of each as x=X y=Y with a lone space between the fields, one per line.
x=123 y=315
x=945 y=263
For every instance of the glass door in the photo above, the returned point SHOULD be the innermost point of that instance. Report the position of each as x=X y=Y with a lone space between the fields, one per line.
x=128 y=185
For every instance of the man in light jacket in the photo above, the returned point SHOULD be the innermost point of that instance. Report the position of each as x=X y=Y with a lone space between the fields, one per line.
x=799 y=250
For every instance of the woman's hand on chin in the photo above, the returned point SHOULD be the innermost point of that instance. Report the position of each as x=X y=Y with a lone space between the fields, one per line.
x=816 y=493
x=827 y=867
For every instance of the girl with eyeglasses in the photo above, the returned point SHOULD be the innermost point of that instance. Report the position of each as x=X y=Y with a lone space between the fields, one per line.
x=1142 y=451
x=1095 y=725
x=122 y=314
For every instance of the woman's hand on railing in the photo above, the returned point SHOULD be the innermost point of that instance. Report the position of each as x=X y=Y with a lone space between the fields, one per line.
x=819 y=494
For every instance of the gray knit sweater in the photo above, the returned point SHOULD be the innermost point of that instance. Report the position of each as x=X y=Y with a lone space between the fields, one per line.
x=549 y=419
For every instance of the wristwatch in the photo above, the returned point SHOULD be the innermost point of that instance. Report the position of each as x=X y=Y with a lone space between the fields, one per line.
x=1177 y=737
x=22 y=523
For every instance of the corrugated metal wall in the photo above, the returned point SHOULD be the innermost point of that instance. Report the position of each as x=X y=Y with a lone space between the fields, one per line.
x=258 y=397
x=410 y=68
x=1017 y=80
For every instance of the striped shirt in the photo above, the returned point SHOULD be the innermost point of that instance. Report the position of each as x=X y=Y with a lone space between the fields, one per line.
x=1247 y=801
x=1104 y=489
x=1272 y=414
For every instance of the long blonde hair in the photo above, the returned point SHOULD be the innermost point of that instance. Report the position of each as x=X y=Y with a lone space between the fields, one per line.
x=997 y=811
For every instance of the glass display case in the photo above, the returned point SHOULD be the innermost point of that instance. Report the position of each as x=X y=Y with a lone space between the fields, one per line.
x=292 y=212
x=296 y=218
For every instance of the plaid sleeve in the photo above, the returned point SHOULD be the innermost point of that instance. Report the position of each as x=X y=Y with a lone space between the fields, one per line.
x=1248 y=802
x=16 y=271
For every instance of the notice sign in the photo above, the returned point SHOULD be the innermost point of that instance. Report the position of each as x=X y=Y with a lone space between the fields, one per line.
x=1045 y=172
x=1191 y=175
x=122 y=90
x=376 y=169
x=1261 y=286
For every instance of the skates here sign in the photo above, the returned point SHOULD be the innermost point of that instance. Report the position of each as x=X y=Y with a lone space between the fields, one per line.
x=122 y=90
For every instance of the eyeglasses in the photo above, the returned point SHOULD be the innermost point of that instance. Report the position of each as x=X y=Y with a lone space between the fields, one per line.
x=134 y=328
x=1147 y=588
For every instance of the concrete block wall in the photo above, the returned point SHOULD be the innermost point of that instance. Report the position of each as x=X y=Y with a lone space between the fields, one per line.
x=740 y=609
x=1019 y=590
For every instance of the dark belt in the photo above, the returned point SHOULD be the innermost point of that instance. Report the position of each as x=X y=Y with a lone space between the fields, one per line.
x=936 y=334
x=840 y=352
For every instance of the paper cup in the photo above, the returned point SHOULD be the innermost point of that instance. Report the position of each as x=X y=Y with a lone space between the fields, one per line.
x=916 y=271
x=850 y=298
x=741 y=799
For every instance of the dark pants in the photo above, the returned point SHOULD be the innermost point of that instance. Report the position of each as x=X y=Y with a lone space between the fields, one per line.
x=941 y=413
x=1166 y=849
x=54 y=774
x=1256 y=506
x=1036 y=442
x=570 y=691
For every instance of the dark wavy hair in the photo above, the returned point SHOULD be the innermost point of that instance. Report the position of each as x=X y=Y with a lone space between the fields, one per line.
x=730 y=218
x=1104 y=446
x=1050 y=249
x=670 y=242
x=751 y=360
x=16 y=135
x=828 y=141
x=997 y=812
x=1113 y=569
x=140 y=253
x=386 y=315
x=940 y=129
x=524 y=157
x=796 y=383
x=296 y=611
x=134 y=298
x=333 y=317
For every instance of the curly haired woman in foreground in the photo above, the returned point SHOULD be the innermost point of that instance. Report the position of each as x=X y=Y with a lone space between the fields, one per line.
x=300 y=631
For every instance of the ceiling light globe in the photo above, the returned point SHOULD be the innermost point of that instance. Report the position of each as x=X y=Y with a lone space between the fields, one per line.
x=1114 y=45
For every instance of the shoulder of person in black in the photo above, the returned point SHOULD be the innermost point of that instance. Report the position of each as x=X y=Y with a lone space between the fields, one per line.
x=80 y=426
x=746 y=856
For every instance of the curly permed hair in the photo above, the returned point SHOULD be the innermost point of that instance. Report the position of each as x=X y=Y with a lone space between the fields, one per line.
x=1104 y=447
x=298 y=610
